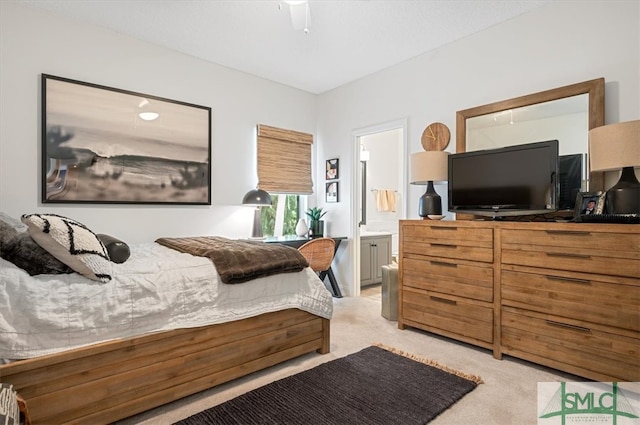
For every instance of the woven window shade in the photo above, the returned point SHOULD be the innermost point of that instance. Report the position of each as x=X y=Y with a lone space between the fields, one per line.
x=284 y=161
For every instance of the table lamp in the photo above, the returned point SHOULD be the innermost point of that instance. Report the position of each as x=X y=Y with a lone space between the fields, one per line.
x=256 y=198
x=615 y=147
x=426 y=168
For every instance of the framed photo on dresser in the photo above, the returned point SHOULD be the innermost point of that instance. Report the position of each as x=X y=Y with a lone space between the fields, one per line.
x=589 y=203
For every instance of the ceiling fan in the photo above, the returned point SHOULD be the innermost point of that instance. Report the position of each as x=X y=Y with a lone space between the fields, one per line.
x=300 y=14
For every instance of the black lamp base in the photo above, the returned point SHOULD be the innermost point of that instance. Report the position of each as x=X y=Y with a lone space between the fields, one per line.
x=624 y=197
x=430 y=203
x=256 y=230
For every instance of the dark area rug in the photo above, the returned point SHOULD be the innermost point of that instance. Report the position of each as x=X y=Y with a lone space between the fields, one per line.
x=373 y=386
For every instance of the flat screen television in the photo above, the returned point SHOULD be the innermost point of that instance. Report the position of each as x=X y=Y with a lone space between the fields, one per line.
x=570 y=174
x=509 y=181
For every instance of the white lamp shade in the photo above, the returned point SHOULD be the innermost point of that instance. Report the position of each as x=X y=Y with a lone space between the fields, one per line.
x=429 y=166
x=614 y=146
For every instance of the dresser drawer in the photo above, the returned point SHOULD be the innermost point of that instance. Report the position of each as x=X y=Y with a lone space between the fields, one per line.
x=584 y=260
x=570 y=346
x=577 y=248
x=449 y=250
x=452 y=233
x=454 y=277
x=450 y=314
x=607 y=244
x=448 y=240
x=580 y=296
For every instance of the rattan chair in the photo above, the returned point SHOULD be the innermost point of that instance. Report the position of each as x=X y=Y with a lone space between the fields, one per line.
x=319 y=253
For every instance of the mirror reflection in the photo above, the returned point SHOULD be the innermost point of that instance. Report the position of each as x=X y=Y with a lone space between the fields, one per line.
x=564 y=113
x=566 y=120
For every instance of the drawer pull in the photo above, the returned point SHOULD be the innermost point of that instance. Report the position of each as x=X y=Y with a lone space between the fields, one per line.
x=443 y=245
x=569 y=279
x=444 y=228
x=565 y=325
x=442 y=263
x=442 y=300
x=567 y=255
x=568 y=232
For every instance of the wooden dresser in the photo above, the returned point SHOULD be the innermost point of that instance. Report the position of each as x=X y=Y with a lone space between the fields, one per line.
x=563 y=295
x=446 y=279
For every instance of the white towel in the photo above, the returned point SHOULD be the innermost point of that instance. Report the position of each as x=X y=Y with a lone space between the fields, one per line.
x=386 y=200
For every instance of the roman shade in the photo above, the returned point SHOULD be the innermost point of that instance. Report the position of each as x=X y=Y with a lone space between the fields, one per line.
x=284 y=161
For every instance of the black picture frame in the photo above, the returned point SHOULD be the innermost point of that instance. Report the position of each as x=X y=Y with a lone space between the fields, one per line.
x=332 y=193
x=582 y=203
x=97 y=148
x=332 y=169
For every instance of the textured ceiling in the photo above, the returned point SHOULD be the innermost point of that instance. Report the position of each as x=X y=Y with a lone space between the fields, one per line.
x=347 y=39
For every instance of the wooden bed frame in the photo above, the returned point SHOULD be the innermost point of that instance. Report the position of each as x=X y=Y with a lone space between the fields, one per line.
x=105 y=382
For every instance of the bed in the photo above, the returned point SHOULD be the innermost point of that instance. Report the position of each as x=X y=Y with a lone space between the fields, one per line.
x=163 y=327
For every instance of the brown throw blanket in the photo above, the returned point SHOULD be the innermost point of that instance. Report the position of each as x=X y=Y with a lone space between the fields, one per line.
x=240 y=261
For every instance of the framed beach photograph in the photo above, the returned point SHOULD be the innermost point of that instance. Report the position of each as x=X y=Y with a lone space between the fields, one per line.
x=332 y=194
x=589 y=203
x=333 y=169
x=106 y=145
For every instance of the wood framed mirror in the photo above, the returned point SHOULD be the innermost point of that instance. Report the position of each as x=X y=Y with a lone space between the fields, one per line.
x=536 y=117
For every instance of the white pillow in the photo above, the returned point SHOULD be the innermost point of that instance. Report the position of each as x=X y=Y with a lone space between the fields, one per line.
x=72 y=243
x=13 y=222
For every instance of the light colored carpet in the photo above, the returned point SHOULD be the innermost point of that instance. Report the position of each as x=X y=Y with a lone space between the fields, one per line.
x=508 y=395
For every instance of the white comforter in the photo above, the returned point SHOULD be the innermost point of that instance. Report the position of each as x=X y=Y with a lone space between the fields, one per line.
x=156 y=289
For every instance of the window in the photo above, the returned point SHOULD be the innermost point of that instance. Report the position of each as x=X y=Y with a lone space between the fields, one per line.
x=284 y=161
x=284 y=170
x=281 y=217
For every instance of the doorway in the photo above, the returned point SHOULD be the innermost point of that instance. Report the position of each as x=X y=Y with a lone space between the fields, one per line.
x=380 y=163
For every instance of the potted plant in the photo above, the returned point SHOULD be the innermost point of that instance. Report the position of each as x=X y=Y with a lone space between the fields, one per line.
x=316 y=225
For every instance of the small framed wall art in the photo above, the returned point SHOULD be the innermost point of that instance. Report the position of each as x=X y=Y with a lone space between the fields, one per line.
x=332 y=169
x=111 y=146
x=333 y=192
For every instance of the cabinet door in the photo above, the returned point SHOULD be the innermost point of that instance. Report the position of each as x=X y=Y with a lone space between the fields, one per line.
x=382 y=256
x=366 y=265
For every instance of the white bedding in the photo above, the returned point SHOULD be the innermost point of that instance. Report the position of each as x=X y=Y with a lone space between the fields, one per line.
x=156 y=289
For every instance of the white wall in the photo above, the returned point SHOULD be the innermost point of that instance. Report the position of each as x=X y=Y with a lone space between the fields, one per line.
x=34 y=42
x=558 y=44
x=384 y=173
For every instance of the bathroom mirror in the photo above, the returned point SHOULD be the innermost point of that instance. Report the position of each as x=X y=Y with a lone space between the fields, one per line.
x=564 y=113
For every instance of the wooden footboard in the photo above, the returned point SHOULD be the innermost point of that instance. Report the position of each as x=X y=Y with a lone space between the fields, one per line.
x=109 y=381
